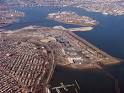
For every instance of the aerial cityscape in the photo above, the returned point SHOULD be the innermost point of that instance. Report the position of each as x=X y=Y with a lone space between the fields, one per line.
x=61 y=46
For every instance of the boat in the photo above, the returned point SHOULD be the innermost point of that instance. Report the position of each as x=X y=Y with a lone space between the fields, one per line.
x=105 y=13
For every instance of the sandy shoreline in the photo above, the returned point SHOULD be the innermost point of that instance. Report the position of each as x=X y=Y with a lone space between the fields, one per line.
x=82 y=29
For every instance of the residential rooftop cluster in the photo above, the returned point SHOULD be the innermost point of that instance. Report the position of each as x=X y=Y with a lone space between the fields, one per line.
x=106 y=7
x=9 y=16
x=25 y=64
x=111 y=7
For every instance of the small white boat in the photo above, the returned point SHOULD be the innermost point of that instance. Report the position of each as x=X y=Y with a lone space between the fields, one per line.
x=105 y=13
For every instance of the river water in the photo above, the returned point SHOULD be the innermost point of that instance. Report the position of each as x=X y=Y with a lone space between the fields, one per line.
x=108 y=36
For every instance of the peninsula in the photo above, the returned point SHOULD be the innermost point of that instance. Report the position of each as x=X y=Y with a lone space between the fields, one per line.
x=29 y=56
x=73 y=18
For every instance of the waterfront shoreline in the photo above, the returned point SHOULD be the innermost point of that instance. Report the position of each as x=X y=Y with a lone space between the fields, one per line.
x=82 y=67
x=82 y=29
